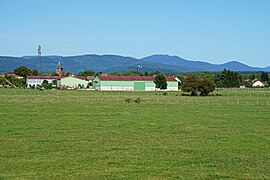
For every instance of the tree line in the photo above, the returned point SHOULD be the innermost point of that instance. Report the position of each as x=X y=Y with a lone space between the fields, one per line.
x=201 y=83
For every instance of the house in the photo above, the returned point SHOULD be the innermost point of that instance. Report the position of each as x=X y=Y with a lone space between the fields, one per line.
x=131 y=83
x=73 y=82
x=38 y=80
x=257 y=83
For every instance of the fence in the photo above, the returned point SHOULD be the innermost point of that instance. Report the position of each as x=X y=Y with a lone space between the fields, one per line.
x=131 y=100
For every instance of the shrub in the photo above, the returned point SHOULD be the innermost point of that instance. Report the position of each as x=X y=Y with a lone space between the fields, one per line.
x=138 y=101
x=128 y=100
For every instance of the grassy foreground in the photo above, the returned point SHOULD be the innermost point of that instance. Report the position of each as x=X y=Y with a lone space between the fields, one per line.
x=98 y=135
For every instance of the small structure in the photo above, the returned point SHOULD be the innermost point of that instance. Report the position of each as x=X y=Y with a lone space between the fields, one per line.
x=242 y=87
x=257 y=83
x=73 y=82
x=131 y=83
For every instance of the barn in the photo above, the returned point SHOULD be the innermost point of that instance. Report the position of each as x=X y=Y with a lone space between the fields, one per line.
x=73 y=82
x=131 y=83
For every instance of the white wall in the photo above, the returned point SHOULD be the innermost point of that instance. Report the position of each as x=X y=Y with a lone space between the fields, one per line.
x=116 y=88
x=35 y=82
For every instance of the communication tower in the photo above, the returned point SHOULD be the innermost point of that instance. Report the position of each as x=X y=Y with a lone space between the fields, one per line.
x=39 y=62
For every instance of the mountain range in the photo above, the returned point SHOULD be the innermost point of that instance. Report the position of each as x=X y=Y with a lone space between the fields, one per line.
x=115 y=63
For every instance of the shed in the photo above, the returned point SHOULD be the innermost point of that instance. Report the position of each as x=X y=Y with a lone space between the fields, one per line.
x=131 y=83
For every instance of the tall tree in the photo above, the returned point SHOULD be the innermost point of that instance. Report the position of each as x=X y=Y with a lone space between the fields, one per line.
x=264 y=77
x=197 y=83
x=160 y=81
x=190 y=84
x=228 y=79
x=87 y=73
x=23 y=71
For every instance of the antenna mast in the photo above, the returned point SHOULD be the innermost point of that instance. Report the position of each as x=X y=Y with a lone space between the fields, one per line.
x=39 y=65
x=39 y=59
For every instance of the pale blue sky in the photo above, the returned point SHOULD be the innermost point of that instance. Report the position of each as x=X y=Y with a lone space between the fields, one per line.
x=216 y=31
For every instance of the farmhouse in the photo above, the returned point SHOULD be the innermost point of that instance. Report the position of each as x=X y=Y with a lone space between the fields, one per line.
x=73 y=82
x=131 y=83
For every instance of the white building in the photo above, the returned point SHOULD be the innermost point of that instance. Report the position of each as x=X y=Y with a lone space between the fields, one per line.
x=73 y=82
x=257 y=84
x=131 y=83
x=38 y=80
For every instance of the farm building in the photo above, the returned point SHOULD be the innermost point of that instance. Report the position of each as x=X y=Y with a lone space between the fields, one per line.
x=257 y=83
x=73 y=82
x=131 y=83
x=38 y=80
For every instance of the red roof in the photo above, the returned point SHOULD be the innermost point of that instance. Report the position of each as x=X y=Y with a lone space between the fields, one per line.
x=45 y=77
x=54 y=77
x=133 y=78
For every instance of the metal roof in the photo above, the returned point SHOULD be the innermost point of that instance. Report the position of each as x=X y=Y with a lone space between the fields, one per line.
x=133 y=78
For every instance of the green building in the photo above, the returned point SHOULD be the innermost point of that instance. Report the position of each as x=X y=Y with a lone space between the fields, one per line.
x=131 y=83
x=73 y=82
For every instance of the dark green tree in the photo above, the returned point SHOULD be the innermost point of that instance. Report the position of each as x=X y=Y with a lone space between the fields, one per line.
x=54 y=82
x=146 y=73
x=23 y=71
x=87 y=73
x=206 y=86
x=264 y=77
x=195 y=84
x=228 y=79
x=46 y=84
x=190 y=84
x=34 y=72
x=160 y=81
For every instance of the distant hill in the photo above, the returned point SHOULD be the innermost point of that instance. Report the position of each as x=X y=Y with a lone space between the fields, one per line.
x=115 y=63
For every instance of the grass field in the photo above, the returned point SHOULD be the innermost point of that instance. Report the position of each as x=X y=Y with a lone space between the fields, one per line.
x=98 y=135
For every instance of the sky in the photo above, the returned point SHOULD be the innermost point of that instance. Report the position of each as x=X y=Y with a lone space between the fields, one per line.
x=216 y=31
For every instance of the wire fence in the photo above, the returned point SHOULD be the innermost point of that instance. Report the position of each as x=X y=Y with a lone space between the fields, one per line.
x=136 y=100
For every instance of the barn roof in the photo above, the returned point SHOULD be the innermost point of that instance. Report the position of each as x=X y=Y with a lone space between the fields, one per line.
x=133 y=78
x=59 y=77
x=45 y=77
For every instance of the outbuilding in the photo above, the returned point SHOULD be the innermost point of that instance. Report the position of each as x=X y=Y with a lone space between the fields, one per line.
x=131 y=83
x=73 y=82
x=257 y=83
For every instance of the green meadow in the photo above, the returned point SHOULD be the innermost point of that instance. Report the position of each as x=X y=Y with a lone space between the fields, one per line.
x=107 y=135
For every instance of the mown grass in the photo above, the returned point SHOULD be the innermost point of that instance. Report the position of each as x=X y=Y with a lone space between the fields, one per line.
x=98 y=135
